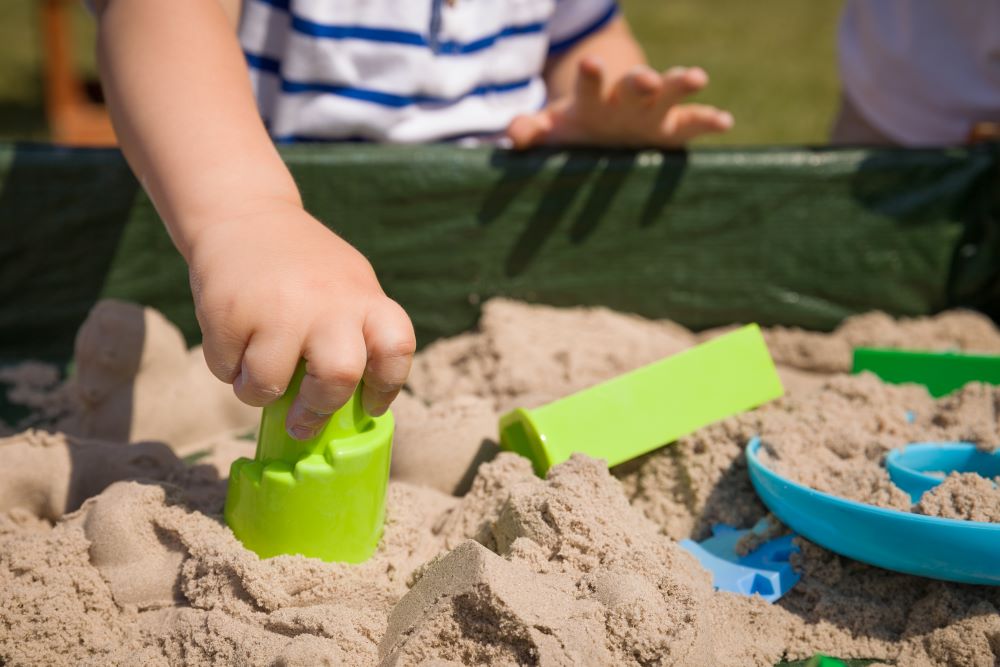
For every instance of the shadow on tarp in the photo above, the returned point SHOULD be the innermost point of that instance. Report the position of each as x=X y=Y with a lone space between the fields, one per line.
x=587 y=181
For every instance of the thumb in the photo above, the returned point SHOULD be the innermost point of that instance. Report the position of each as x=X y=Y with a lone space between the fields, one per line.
x=530 y=130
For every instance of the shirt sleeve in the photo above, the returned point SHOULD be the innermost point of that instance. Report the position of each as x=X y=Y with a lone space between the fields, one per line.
x=573 y=20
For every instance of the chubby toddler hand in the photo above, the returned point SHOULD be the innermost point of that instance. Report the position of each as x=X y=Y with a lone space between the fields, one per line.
x=273 y=286
x=641 y=109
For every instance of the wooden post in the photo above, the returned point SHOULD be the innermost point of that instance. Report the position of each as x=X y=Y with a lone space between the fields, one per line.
x=74 y=119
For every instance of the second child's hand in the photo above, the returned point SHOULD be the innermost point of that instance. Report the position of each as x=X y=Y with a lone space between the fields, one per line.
x=643 y=108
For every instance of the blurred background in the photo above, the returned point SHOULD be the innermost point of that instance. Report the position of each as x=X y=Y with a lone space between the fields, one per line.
x=774 y=69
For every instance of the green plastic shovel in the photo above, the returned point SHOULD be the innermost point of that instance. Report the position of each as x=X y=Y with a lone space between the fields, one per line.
x=941 y=372
x=324 y=497
x=649 y=407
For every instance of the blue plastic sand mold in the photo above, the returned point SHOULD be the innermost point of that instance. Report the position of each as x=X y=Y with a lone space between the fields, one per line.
x=919 y=467
x=949 y=549
x=766 y=571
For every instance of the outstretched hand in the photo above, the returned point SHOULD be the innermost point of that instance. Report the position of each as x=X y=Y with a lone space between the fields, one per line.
x=643 y=108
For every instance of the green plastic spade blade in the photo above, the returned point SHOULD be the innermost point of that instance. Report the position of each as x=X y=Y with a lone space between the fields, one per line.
x=324 y=497
x=941 y=372
x=639 y=411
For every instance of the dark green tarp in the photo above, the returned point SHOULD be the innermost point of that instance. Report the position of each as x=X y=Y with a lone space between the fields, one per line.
x=792 y=236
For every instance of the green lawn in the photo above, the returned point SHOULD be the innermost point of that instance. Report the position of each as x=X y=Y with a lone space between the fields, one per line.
x=773 y=68
x=772 y=63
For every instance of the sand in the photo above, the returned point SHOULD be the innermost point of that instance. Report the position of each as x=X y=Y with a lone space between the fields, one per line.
x=134 y=376
x=963 y=496
x=115 y=553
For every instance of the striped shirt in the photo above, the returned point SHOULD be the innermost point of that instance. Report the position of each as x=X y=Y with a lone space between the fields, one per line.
x=405 y=71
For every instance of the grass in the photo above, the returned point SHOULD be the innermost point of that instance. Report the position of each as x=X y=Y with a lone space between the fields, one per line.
x=21 y=96
x=772 y=64
x=20 y=87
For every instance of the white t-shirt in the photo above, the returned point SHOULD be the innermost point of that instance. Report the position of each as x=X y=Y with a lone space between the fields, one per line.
x=922 y=72
x=405 y=71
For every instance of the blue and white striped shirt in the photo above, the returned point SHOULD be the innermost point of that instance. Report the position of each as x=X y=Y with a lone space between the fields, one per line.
x=405 y=71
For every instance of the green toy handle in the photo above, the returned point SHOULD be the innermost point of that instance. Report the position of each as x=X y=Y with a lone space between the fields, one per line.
x=649 y=407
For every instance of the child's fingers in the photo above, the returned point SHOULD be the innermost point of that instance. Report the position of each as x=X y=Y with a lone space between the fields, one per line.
x=222 y=342
x=335 y=360
x=527 y=130
x=268 y=363
x=223 y=352
x=590 y=82
x=642 y=85
x=679 y=82
x=391 y=344
x=688 y=121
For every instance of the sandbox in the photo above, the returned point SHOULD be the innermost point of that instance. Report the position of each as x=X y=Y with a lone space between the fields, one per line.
x=112 y=548
x=115 y=553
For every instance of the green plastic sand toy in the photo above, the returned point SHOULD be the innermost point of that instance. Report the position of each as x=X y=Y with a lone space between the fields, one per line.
x=941 y=372
x=639 y=411
x=324 y=497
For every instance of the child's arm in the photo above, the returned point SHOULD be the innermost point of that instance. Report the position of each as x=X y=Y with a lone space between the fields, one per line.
x=271 y=284
x=602 y=92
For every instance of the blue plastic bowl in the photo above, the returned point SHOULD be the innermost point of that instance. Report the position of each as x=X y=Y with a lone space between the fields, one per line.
x=908 y=467
x=949 y=549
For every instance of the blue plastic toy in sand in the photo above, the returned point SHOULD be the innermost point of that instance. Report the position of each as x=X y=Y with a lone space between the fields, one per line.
x=949 y=549
x=765 y=571
x=919 y=467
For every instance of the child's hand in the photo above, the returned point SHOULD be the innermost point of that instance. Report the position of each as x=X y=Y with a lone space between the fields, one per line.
x=274 y=286
x=641 y=109
x=271 y=284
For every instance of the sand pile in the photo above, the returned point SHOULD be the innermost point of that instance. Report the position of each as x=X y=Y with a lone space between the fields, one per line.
x=566 y=572
x=134 y=379
x=963 y=496
x=114 y=553
x=832 y=353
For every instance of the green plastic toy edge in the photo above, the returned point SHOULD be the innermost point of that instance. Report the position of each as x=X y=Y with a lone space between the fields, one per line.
x=941 y=372
x=519 y=434
x=323 y=497
x=820 y=660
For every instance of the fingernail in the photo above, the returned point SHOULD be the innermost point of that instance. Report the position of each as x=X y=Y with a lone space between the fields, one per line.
x=696 y=77
x=305 y=420
x=239 y=382
x=300 y=432
x=373 y=409
x=376 y=410
x=727 y=119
